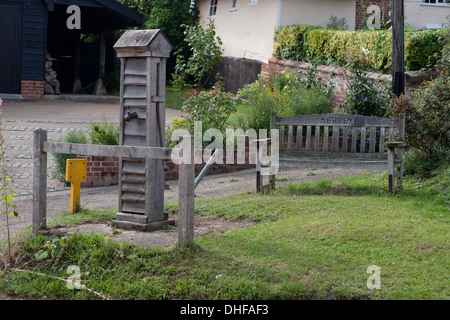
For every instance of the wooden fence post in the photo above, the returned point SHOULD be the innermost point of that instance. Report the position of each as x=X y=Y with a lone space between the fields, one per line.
x=39 y=220
x=186 y=199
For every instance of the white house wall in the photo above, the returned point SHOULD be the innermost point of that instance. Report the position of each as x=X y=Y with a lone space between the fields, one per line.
x=318 y=12
x=248 y=31
x=419 y=14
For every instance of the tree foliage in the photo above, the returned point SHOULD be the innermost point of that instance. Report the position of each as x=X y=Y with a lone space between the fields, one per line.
x=206 y=53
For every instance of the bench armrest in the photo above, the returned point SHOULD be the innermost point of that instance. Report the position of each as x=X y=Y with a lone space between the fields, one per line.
x=396 y=144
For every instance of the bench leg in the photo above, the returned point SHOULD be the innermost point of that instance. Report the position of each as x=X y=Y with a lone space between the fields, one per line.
x=391 y=166
x=400 y=170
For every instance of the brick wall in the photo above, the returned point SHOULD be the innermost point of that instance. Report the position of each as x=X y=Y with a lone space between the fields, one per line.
x=31 y=89
x=104 y=171
x=215 y=168
x=101 y=171
x=413 y=79
x=337 y=75
x=361 y=11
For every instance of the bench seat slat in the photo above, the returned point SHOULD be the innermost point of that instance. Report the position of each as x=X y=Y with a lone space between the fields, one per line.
x=325 y=138
x=308 y=139
x=354 y=133
x=317 y=139
x=298 y=144
x=281 y=138
x=382 y=137
x=362 y=141
x=335 y=140
x=290 y=133
x=373 y=139
x=344 y=139
x=310 y=154
x=338 y=119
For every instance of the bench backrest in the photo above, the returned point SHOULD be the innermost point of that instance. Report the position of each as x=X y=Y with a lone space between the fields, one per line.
x=337 y=134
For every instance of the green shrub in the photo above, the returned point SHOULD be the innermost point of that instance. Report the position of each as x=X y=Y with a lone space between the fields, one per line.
x=427 y=124
x=370 y=50
x=289 y=41
x=104 y=133
x=206 y=53
x=212 y=107
x=422 y=164
x=112 y=81
x=427 y=115
x=422 y=49
x=337 y=24
x=287 y=93
x=59 y=159
x=366 y=97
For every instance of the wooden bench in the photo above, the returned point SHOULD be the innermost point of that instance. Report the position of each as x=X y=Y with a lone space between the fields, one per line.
x=342 y=141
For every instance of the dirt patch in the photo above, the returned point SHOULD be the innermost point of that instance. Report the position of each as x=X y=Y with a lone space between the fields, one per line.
x=203 y=226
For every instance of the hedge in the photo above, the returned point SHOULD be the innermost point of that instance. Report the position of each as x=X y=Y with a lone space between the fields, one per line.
x=368 y=50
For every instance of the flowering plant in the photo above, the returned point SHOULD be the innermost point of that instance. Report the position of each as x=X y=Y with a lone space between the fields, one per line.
x=366 y=97
x=212 y=107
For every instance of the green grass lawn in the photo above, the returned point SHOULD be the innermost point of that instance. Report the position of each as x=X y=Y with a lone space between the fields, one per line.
x=312 y=240
x=175 y=97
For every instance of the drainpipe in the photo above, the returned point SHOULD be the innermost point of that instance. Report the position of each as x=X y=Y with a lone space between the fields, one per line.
x=280 y=14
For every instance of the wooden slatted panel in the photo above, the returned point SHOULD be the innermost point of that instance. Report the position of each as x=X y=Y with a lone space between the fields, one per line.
x=298 y=145
x=133 y=178
x=354 y=135
x=133 y=187
x=290 y=133
x=141 y=113
x=135 y=80
x=139 y=103
x=134 y=141
x=391 y=134
x=281 y=137
x=135 y=92
x=373 y=138
x=135 y=67
x=362 y=147
x=133 y=167
x=135 y=127
x=382 y=138
x=133 y=197
x=325 y=138
x=335 y=140
x=308 y=139
x=133 y=207
x=344 y=139
x=317 y=139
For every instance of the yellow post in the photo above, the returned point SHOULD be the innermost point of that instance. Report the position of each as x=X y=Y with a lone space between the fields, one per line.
x=75 y=174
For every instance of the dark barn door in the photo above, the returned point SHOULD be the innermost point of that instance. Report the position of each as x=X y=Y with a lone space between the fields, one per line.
x=10 y=47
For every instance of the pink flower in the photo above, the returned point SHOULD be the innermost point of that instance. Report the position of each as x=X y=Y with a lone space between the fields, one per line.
x=1 y=101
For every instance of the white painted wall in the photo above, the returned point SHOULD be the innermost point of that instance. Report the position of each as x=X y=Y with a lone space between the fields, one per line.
x=248 y=31
x=318 y=12
x=419 y=14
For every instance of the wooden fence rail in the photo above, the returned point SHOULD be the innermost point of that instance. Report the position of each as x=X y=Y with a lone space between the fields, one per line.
x=42 y=147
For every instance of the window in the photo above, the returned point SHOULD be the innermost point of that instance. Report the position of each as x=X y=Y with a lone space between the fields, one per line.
x=213 y=8
x=436 y=2
x=254 y=2
x=233 y=5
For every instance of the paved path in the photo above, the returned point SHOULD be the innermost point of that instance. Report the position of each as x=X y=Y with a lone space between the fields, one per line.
x=58 y=118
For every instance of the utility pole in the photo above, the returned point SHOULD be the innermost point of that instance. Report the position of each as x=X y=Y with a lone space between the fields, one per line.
x=398 y=47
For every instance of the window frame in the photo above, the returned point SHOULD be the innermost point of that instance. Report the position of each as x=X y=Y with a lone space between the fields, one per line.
x=233 y=6
x=444 y=3
x=213 y=8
